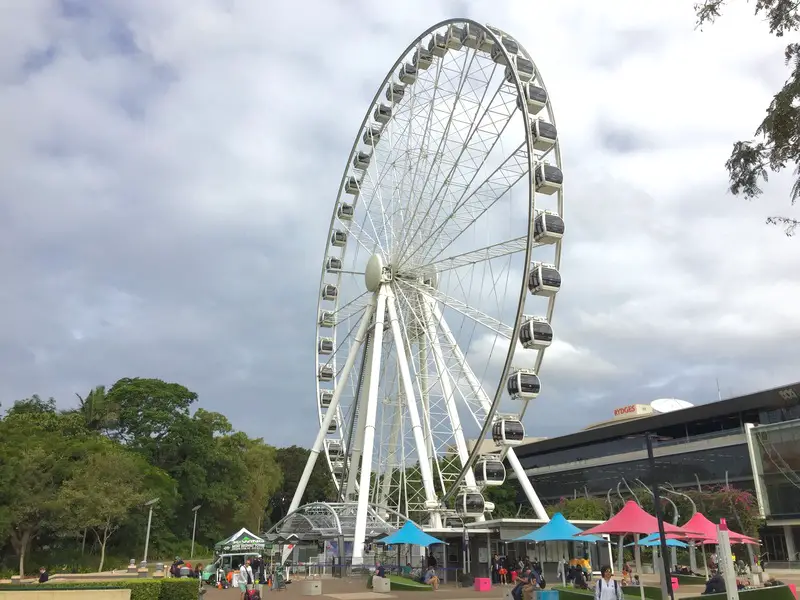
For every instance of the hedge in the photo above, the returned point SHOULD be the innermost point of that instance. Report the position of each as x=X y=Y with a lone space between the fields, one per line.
x=691 y=579
x=650 y=592
x=778 y=592
x=400 y=583
x=141 y=589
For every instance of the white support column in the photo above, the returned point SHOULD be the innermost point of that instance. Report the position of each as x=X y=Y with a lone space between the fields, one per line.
x=478 y=390
x=424 y=392
x=449 y=397
x=358 y=435
x=369 y=429
x=391 y=457
x=332 y=409
x=413 y=412
x=791 y=549
x=754 y=450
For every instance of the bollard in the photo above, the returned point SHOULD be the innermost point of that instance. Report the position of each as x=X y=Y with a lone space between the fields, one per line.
x=159 y=572
x=132 y=566
x=142 y=571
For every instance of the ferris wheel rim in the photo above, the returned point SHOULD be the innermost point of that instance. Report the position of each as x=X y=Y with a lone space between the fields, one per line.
x=489 y=417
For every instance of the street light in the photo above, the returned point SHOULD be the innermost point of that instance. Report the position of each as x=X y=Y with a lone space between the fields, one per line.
x=194 y=528
x=675 y=516
x=666 y=580
x=151 y=504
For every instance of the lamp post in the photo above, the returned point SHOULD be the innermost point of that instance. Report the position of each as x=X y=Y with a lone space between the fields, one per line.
x=194 y=528
x=666 y=581
x=151 y=504
x=692 y=545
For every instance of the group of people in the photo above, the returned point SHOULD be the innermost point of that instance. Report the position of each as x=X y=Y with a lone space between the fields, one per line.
x=507 y=570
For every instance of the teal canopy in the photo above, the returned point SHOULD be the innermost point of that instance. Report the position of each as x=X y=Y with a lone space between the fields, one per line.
x=558 y=530
x=655 y=540
x=410 y=534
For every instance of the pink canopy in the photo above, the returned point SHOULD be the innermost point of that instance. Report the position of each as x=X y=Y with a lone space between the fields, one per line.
x=705 y=531
x=632 y=519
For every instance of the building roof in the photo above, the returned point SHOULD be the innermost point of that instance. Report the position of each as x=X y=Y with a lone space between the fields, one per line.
x=783 y=396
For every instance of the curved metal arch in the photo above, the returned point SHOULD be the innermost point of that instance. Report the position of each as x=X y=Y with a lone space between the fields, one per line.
x=299 y=512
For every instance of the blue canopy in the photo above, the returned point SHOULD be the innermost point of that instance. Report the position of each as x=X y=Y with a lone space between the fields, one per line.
x=558 y=530
x=655 y=540
x=410 y=534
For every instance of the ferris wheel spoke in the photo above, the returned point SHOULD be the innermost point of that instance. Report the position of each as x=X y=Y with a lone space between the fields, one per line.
x=474 y=203
x=457 y=305
x=473 y=257
x=484 y=135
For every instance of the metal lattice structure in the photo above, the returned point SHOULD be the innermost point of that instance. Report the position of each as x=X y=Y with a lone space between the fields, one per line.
x=327 y=520
x=439 y=280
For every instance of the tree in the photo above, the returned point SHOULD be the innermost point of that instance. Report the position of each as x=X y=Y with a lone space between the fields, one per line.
x=98 y=413
x=263 y=479
x=778 y=136
x=38 y=451
x=292 y=461
x=102 y=492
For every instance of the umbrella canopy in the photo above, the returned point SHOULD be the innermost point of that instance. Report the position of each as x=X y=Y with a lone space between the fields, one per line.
x=558 y=529
x=241 y=541
x=705 y=531
x=410 y=534
x=632 y=519
x=655 y=540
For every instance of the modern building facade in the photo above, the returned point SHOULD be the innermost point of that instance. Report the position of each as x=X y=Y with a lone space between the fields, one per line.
x=751 y=442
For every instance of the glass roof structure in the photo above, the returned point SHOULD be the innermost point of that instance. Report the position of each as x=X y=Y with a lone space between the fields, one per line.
x=330 y=520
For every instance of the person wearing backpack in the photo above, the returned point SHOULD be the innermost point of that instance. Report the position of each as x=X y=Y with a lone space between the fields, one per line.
x=607 y=588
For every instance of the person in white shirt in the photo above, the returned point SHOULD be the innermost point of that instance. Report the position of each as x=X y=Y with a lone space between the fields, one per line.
x=245 y=578
x=561 y=571
x=607 y=588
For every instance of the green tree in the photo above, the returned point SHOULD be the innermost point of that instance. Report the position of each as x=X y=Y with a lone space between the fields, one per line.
x=292 y=461
x=98 y=413
x=38 y=451
x=263 y=479
x=102 y=492
x=777 y=138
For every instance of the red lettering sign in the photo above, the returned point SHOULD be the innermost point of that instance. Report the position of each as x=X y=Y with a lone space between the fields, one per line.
x=625 y=410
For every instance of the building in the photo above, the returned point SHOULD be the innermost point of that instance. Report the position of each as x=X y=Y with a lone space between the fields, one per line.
x=751 y=442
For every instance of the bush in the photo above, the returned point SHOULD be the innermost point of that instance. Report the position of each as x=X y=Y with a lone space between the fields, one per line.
x=141 y=589
x=690 y=579
x=780 y=592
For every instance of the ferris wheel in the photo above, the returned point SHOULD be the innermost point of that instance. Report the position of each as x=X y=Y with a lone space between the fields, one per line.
x=439 y=280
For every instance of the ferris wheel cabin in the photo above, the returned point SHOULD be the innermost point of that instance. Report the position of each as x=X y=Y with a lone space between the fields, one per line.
x=325 y=398
x=372 y=135
x=535 y=97
x=352 y=186
x=511 y=47
x=345 y=212
x=470 y=504
x=548 y=227
x=490 y=472
x=544 y=279
x=329 y=292
x=395 y=92
x=535 y=333
x=544 y=135
x=523 y=385
x=524 y=70
x=382 y=113
x=325 y=373
x=339 y=238
x=361 y=160
x=325 y=346
x=333 y=427
x=327 y=319
x=333 y=265
x=453 y=36
x=335 y=449
x=438 y=45
x=423 y=58
x=407 y=74
x=470 y=36
x=508 y=432
x=548 y=178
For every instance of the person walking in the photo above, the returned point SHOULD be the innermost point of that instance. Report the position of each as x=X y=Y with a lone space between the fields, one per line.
x=245 y=578
x=607 y=588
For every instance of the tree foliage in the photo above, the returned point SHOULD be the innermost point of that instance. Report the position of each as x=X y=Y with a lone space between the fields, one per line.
x=80 y=476
x=777 y=139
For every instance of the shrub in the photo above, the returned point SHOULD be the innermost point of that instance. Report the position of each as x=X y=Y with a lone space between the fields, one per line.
x=141 y=589
x=780 y=592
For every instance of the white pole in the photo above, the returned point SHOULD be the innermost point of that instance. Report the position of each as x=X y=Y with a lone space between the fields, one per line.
x=369 y=430
x=356 y=451
x=413 y=412
x=147 y=535
x=525 y=483
x=337 y=394
x=194 y=529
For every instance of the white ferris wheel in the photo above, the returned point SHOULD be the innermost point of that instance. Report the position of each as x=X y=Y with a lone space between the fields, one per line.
x=439 y=280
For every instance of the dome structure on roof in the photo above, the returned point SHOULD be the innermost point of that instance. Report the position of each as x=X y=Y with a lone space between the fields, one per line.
x=665 y=405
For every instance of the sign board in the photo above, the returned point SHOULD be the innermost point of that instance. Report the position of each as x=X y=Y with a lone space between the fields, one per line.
x=632 y=410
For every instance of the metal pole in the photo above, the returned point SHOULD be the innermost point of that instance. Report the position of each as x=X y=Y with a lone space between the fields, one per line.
x=147 y=535
x=666 y=580
x=194 y=529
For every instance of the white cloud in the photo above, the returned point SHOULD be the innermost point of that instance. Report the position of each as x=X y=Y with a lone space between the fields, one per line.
x=169 y=176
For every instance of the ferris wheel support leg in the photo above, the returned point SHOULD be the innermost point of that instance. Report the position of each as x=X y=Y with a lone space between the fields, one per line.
x=424 y=393
x=478 y=390
x=391 y=457
x=413 y=412
x=337 y=394
x=371 y=414
x=358 y=442
x=447 y=388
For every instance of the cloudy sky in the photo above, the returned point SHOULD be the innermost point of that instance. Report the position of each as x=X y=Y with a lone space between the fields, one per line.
x=168 y=169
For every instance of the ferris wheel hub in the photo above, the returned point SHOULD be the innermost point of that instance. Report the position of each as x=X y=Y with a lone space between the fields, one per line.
x=377 y=272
